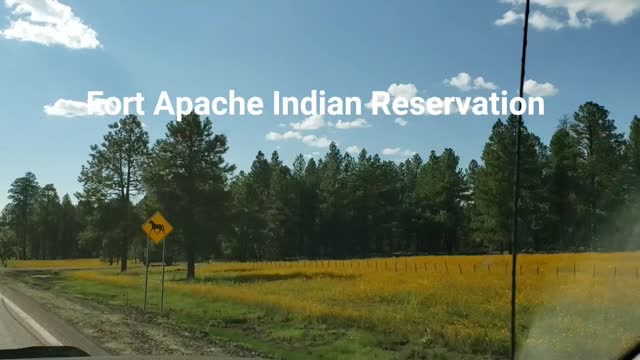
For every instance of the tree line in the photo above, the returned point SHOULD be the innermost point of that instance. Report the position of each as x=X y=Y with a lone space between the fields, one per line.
x=580 y=192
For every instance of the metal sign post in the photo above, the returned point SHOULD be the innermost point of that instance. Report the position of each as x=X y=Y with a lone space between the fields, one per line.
x=162 y=285
x=146 y=276
x=157 y=229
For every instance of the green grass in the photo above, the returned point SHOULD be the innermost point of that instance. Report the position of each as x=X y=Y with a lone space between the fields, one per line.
x=273 y=334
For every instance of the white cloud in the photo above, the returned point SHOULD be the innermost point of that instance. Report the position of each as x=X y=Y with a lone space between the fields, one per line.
x=274 y=136
x=400 y=121
x=480 y=83
x=313 y=122
x=312 y=155
x=508 y=18
x=613 y=11
x=576 y=22
x=315 y=141
x=540 y=21
x=580 y=13
x=533 y=88
x=464 y=82
x=311 y=140
x=406 y=91
x=357 y=123
x=379 y=98
x=397 y=152
x=353 y=149
x=391 y=151
x=394 y=90
x=48 y=22
x=73 y=108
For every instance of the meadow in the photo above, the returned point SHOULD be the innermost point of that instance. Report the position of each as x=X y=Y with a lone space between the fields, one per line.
x=57 y=264
x=569 y=305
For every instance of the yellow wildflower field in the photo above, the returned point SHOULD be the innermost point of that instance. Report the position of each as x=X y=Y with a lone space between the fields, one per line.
x=568 y=304
x=71 y=263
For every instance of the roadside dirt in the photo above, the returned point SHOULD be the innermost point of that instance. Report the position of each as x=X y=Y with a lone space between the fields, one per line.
x=121 y=330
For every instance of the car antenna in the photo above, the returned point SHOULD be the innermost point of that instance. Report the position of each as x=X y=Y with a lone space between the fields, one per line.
x=516 y=185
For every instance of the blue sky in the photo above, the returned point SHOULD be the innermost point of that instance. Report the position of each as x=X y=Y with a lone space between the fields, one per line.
x=578 y=51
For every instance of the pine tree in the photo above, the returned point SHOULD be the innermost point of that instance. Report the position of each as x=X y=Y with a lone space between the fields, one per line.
x=625 y=218
x=23 y=195
x=114 y=172
x=599 y=163
x=69 y=228
x=493 y=191
x=331 y=203
x=48 y=223
x=439 y=195
x=188 y=175
x=563 y=187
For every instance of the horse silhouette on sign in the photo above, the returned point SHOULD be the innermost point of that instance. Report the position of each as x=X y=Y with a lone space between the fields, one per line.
x=158 y=228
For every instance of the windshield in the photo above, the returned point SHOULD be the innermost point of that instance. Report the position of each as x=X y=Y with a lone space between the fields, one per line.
x=342 y=180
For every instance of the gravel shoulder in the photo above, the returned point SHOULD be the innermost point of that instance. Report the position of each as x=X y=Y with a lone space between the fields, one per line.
x=109 y=330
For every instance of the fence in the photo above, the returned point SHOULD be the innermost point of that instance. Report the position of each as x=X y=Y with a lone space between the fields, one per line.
x=442 y=267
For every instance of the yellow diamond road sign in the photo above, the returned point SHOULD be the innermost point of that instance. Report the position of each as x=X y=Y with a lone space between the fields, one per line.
x=157 y=227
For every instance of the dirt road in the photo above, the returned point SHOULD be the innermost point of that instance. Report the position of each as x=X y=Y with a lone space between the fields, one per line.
x=24 y=322
x=102 y=329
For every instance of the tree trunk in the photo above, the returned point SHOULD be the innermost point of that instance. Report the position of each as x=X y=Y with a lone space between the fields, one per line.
x=191 y=264
x=593 y=223
x=124 y=246
x=24 y=244
x=24 y=237
x=123 y=254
